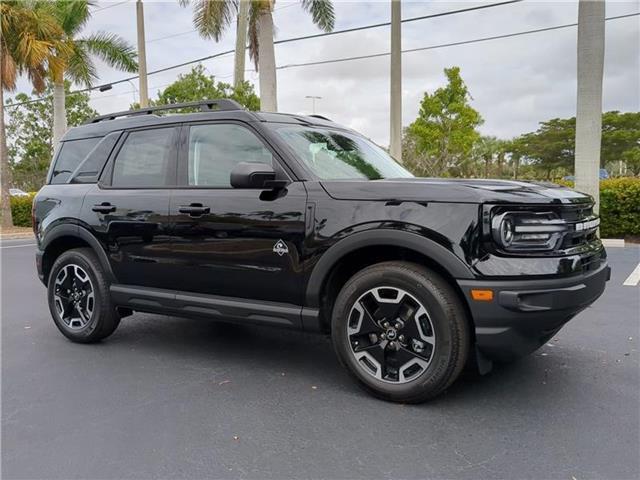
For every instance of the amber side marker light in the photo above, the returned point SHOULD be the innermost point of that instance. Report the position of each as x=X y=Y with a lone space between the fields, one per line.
x=482 y=295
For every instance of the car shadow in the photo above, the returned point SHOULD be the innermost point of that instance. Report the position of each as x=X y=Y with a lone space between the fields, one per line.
x=268 y=351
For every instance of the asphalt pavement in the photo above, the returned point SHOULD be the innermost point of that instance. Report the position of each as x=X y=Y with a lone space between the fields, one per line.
x=166 y=397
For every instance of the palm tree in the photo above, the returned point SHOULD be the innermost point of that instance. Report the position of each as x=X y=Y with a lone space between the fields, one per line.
x=78 y=66
x=591 y=21
x=28 y=36
x=212 y=17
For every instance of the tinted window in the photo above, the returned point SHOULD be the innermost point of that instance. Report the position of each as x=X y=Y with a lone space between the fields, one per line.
x=90 y=168
x=145 y=159
x=70 y=156
x=337 y=155
x=214 y=150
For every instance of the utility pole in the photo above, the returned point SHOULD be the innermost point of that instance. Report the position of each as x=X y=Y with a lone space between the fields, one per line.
x=591 y=21
x=395 y=110
x=241 y=42
x=313 y=102
x=142 y=56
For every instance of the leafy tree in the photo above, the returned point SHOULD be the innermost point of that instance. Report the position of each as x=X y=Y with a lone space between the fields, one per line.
x=76 y=58
x=212 y=17
x=443 y=135
x=30 y=128
x=197 y=85
x=28 y=36
x=621 y=139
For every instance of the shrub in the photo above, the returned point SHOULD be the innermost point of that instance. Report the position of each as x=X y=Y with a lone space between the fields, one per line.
x=619 y=207
x=21 y=210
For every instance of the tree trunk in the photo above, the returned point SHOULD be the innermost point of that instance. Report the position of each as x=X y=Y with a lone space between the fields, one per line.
x=59 y=113
x=395 y=141
x=241 y=43
x=591 y=14
x=267 y=63
x=142 y=56
x=5 y=173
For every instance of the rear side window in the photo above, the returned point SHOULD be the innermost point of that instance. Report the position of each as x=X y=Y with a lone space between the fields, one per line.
x=145 y=159
x=71 y=154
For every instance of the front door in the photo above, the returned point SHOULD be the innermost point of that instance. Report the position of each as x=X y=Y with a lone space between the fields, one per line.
x=235 y=242
x=128 y=211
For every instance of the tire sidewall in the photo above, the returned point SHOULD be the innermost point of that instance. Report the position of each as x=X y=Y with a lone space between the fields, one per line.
x=78 y=258
x=430 y=296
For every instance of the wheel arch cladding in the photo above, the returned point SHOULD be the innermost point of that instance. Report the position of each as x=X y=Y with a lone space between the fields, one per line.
x=350 y=255
x=66 y=237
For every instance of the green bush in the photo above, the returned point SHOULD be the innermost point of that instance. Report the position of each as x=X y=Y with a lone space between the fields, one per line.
x=21 y=210
x=619 y=207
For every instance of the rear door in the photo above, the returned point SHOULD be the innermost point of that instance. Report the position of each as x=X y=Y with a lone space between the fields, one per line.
x=128 y=210
x=235 y=242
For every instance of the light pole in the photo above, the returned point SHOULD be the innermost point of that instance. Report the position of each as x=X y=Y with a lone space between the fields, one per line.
x=313 y=102
x=142 y=56
x=133 y=91
x=395 y=107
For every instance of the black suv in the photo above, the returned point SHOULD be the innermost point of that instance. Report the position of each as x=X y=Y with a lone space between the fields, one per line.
x=297 y=222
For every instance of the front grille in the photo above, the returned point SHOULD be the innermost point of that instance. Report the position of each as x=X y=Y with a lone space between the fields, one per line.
x=577 y=216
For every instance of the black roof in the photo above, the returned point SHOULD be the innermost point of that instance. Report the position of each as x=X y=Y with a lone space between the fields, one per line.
x=226 y=110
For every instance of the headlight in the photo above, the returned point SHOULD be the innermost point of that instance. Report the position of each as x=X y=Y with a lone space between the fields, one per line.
x=527 y=231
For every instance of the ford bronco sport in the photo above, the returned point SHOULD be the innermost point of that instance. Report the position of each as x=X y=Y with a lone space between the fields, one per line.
x=298 y=222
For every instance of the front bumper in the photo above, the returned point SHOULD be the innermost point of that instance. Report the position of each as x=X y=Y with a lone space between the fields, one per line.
x=523 y=315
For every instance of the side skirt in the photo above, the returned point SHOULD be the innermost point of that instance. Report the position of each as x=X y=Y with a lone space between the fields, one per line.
x=188 y=304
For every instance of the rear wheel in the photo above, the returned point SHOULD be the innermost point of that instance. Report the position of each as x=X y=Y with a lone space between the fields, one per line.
x=401 y=331
x=78 y=296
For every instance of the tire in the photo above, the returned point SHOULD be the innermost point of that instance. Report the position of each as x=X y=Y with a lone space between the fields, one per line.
x=77 y=276
x=429 y=319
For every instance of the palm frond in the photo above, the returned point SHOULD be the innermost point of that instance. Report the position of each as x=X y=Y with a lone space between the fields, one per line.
x=212 y=17
x=80 y=67
x=256 y=8
x=321 y=12
x=9 y=69
x=111 y=48
x=73 y=15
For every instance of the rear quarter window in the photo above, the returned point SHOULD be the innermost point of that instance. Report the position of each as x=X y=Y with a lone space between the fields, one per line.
x=71 y=154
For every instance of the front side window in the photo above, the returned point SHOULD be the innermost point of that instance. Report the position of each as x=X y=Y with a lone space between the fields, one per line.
x=215 y=149
x=144 y=161
x=337 y=155
x=72 y=152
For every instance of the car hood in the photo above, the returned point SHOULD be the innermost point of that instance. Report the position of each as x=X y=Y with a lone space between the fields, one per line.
x=453 y=190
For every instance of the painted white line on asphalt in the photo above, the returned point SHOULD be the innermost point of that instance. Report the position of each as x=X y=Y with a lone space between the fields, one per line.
x=613 y=242
x=19 y=246
x=634 y=278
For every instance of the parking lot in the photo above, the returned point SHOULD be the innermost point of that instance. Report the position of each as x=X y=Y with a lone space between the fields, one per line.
x=171 y=398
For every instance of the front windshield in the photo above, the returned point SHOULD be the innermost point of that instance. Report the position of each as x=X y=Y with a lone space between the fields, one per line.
x=338 y=155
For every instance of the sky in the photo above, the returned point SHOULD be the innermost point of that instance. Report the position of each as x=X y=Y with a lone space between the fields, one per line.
x=515 y=83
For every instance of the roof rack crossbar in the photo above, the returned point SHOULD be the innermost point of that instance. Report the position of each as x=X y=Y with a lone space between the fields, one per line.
x=223 y=104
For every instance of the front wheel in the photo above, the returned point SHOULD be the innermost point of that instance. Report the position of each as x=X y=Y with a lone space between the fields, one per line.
x=78 y=296
x=401 y=331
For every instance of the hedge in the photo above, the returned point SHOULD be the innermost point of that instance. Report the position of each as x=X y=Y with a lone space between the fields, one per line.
x=21 y=210
x=619 y=207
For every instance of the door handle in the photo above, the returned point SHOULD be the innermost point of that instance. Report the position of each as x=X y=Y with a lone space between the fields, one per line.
x=104 y=207
x=194 y=210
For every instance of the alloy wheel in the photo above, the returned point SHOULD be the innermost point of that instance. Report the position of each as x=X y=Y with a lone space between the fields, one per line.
x=391 y=334
x=74 y=296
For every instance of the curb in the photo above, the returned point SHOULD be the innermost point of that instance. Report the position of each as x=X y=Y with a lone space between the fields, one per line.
x=613 y=242
x=16 y=236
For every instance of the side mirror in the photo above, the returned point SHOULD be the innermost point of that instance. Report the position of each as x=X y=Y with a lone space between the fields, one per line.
x=253 y=175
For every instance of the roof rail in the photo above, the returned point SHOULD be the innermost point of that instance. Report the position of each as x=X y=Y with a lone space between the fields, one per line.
x=321 y=117
x=223 y=104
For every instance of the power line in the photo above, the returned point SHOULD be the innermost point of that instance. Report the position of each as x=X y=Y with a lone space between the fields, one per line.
x=110 y=6
x=443 y=45
x=345 y=59
x=364 y=27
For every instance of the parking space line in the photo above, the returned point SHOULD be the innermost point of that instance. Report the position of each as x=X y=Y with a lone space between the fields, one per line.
x=19 y=246
x=634 y=278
